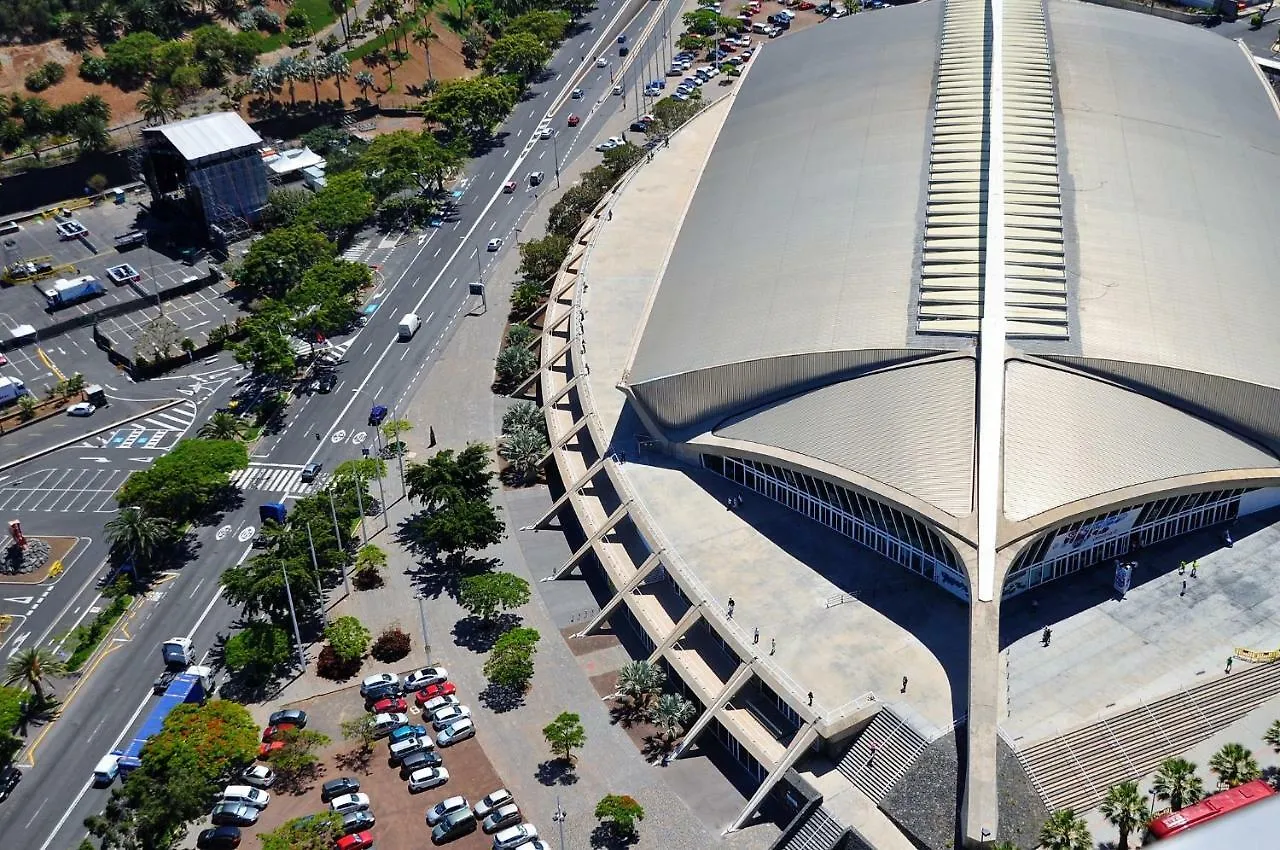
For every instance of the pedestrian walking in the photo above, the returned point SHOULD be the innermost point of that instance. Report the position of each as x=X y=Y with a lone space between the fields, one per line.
x=1195 y=565
x=1184 y=588
x=811 y=698
x=731 y=604
x=609 y=216
x=756 y=637
x=904 y=684
x=1230 y=658
x=773 y=645
x=1182 y=567
x=871 y=759
x=1046 y=635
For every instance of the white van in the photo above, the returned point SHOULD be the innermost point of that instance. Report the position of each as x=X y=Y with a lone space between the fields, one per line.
x=760 y=27
x=106 y=770
x=409 y=324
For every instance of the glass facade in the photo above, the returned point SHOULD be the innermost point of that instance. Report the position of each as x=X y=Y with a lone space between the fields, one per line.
x=897 y=536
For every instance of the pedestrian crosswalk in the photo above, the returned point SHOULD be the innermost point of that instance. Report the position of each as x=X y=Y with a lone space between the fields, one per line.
x=177 y=418
x=276 y=478
x=158 y=431
x=356 y=252
x=373 y=251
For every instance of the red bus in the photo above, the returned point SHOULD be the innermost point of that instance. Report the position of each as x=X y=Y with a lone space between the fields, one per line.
x=1209 y=808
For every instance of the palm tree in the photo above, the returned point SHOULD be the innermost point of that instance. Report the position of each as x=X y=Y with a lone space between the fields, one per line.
x=157 y=102
x=1176 y=781
x=262 y=80
x=364 y=80
x=93 y=106
x=641 y=681
x=341 y=8
x=216 y=63
x=1272 y=736
x=222 y=426
x=313 y=70
x=289 y=70
x=523 y=448
x=228 y=10
x=1126 y=808
x=670 y=714
x=92 y=135
x=34 y=667
x=1064 y=831
x=423 y=36
x=75 y=29
x=107 y=22
x=140 y=537
x=339 y=67
x=1235 y=765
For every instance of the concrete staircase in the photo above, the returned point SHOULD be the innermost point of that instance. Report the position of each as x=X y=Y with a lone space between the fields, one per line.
x=1075 y=769
x=819 y=832
x=893 y=742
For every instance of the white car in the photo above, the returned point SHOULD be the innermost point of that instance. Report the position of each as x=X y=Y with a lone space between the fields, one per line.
x=515 y=836
x=492 y=801
x=377 y=679
x=384 y=723
x=349 y=803
x=494 y=244
x=436 y=813
x=402 y=748
x=606 y=145
x=259 y=776
x=255 y=797
x=602 y=62
x=82 y=408
x=547 y=132
x=617 y=89
x=427 y=777
x=459 y=731
x=419 y=679
x=434 y=704
x=448 y=715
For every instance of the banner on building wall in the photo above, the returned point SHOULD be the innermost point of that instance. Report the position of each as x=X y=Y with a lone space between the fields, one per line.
x=1092 y=533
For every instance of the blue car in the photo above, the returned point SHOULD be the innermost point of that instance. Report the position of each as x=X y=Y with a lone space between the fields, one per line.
x=400 y=733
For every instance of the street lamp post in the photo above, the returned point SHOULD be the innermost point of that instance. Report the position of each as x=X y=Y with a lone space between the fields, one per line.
x=337 y=530
x=555 y=151
x=311 y=544
x=297 y=635
x=426 y=635
x=382 y=493
x=559 y=817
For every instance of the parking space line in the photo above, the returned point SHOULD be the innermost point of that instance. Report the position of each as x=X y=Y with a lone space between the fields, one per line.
x=74 y=490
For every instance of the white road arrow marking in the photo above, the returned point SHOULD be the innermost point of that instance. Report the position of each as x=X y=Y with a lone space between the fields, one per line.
x=18 y=642
x=97 y=459
x=142 y=459
x=21 y=600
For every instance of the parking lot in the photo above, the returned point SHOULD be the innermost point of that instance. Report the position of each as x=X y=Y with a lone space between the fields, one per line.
x=400 y=816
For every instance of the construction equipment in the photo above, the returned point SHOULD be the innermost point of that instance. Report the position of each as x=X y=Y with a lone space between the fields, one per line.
x=36 y=268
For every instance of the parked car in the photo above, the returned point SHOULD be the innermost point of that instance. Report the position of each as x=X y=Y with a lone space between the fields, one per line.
x=424 y=678
x=606 y=145
x=355 y=841
x=233 y=814
x=338 y=787
x=514 y=836
x=292 y=716
x=448 y=715
x=417 y=761
x=427 y=778
x=453 y=825
x=377 y=679
x=266 y=751
x=246 y=794
x=439 y=689
x=357 y=821
x=391 y=705
x=274 y=733
x=259 y=776
x=384 y=723
x=434 y=704
x=349 y=803
x=508 y=187
x=219 y=838
x=501 y=818
x=491 y=801
x=400 y=749
x=459 y=731
x=401 y=732
x=381 y=692
x=446 y=806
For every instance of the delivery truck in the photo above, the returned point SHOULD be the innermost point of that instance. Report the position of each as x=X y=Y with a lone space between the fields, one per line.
x=189 y=687
x=11 y=389
x=67 y=291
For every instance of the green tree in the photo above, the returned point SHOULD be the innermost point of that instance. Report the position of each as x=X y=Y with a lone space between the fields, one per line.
x=671 y=713
x=265 y=347
x=134 y=535
x=521 y=53
x=210 y=741
x=348 y=637
x=1065 y=831
x=34 y=667
x=131 y=58
x=641 y=681
x=1125 y=807
x=370 y=557
x=513 y=366
x=461 y=526
x=523 y=449
x=423 y=36
x=1176 y=782
x=312 y=832
x=540 y=259
x=1235 y=765
x=565 y=734
x=258 y=650
x=297 y=759
x=486 y=594
x=361 y=730
x=471 y=107
x=184 y=484
x=157 y=103
x=284 y=207
x=393 y=428
x=341 y=206
x=277 y=261
x=620 y=813
x=448 y=477
x=1272 y=735
x=345 y=277
x=548 y=26
x=222 y=425
x=621 y=158
x=92 y=135
x=399 y=160
x=318 y=306
x=510 y=662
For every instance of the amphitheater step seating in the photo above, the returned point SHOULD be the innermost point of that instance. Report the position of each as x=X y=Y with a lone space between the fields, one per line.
x=1075 y=769
x=881 y=754
x=819 y=832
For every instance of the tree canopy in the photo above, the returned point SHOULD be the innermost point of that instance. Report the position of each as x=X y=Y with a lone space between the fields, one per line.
x=510 y=662
x=521 y=53
x=185 y=484
x=348 y=637
x=311 y=832
x=340 y=206
x=471 y=107
x=278 y=260
x=448 y=476
x=565 y=734
x=258 y=650
x=485 y=594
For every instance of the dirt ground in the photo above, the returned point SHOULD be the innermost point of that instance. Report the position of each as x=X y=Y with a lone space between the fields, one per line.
x=401 y=816
x=19 y=60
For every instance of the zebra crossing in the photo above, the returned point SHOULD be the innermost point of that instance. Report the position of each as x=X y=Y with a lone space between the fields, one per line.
x=282 y=478
x=158 y=431
x=371 y=252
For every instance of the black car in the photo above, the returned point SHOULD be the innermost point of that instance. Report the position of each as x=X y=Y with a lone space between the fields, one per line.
x=219 y=838
x=623 y=51
x=163 y=681
x=326 y=382
x=417 y=761
x=356 y=821
x=233 y=814
x=381 y=692
x=294 y=716
x=338 y=787
x=639 y=127
x=10 y=776
x=376 y=414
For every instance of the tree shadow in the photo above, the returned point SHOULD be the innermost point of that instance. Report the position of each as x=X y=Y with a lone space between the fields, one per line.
x=557 y=771
x=625 y=713
x=500 y=699
x=606 y=837
x=301 y=781
x=359 y=759
x=654 y=747
x=475 y=634
x=37 y=712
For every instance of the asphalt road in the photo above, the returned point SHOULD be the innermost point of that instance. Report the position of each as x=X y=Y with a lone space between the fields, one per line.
x=427 y=275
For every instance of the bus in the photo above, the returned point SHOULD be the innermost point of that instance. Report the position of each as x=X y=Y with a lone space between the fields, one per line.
x=1224 y=802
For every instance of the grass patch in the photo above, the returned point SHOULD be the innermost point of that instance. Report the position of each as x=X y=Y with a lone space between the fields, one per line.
x=319 y=14
x=87 y=637
x=383 y=41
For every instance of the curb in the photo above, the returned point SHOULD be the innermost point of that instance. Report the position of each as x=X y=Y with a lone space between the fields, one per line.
x=173 y=402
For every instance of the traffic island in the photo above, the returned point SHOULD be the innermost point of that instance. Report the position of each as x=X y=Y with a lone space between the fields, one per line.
x=39 y=559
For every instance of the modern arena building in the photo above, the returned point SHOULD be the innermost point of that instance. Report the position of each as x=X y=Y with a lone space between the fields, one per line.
x=983 y=289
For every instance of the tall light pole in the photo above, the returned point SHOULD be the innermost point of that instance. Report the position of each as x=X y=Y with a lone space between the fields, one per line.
x=337 y=531
x=555 y=151
x=297 y=635
x=382 y=494
x=311 y=543
x=426 y=635
x=559 y=817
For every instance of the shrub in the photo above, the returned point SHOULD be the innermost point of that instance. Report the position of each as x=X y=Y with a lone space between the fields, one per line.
x=521 y=334
x=513 y=366
x=526 y=297
x=266 y=19
x=524 y=415
x=297 y=19
x=54 y=72
x=246 y=21
x=392 y=645
x=330 y=666
x=348 y=637
x=367 y=579
x=37 y=80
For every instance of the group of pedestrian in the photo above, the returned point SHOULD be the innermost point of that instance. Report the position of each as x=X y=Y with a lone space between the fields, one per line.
x=733 y=502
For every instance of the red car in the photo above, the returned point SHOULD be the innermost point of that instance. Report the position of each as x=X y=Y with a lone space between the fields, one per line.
x=358 y=841
x=805 y=6
x=573 y=120
x=390 y=705
x=443 y=689
x=266 y=751
x=509 y=187
x=272 y=733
